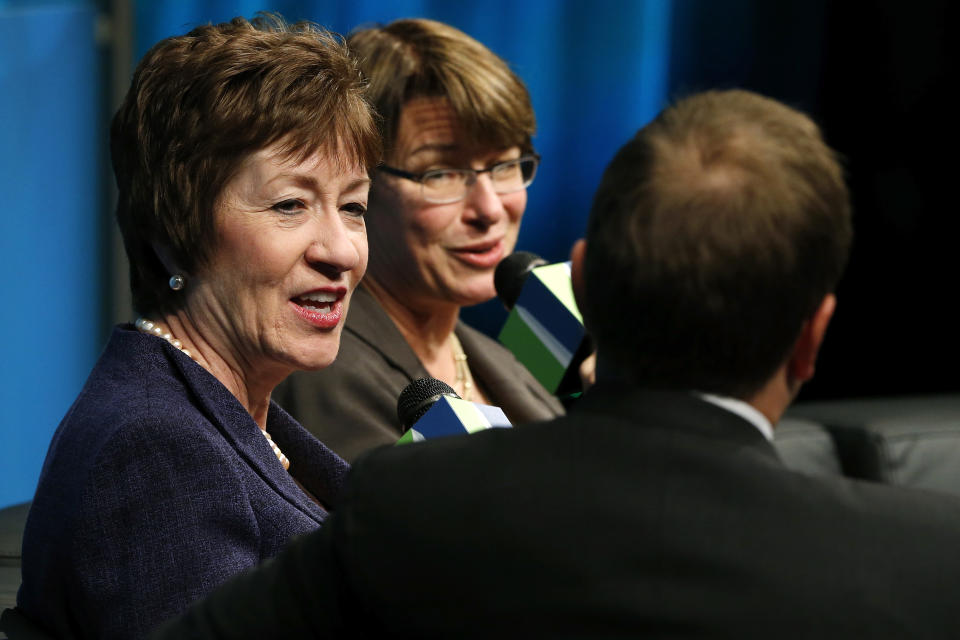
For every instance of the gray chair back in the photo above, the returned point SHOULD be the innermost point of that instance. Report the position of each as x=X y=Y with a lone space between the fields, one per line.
x=907 y=441
x=12 y=521
x=807 y=446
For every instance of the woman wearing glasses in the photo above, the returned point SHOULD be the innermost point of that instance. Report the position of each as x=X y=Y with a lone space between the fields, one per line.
x=444 y=209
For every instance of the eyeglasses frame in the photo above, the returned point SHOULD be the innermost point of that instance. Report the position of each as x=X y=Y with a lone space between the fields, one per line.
x=420 y=177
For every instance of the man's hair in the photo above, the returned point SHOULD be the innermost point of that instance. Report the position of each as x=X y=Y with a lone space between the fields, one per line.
x=201 y=103
x=714 y=235
x=419 y=58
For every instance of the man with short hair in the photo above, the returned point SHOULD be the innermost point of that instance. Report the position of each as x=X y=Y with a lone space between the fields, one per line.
x=658 y=507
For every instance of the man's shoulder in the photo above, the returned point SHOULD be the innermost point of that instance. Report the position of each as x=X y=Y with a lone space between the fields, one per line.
x=451 y=454
x=429 y=469
x=593 y=496
x=880 y=508
x=623 y=450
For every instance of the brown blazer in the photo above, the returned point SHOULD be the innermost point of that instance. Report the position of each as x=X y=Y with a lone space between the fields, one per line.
x=351 y=406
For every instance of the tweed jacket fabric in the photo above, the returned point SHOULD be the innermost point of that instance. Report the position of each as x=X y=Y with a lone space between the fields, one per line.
x=158 y=485
x=352 y=404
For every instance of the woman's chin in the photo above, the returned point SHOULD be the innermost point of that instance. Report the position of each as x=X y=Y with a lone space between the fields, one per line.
x=472 y=291
x=315 y=364
x=313 y=357
x=471 y=298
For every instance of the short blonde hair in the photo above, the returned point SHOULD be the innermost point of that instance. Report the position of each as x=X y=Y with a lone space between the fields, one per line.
x=416 y=58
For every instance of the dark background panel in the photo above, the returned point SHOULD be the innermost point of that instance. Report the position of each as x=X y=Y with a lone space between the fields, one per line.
x=877 y=77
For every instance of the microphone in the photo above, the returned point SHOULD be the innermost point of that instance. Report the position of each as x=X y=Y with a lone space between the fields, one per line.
x=511 y=273
x=430 y=408
x=544 y=328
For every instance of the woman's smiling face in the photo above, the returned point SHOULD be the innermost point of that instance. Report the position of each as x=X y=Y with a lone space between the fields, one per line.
x=291 y=247
x=440 y=253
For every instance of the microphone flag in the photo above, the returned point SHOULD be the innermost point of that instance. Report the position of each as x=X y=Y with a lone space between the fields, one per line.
x=453 y=416
x=544 y=330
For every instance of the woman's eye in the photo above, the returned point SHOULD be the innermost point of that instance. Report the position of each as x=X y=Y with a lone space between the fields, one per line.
x=506 y=169
x=289 y=207
x=355 y=209
x=442 y=176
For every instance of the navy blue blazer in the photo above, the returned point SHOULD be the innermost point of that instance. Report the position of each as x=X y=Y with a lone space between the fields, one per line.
x=158 y=486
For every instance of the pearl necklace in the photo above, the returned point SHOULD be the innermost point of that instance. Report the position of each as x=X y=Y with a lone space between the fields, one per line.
x=146 y=326
x=155 y=329
x=464 y=378
x=276 y=450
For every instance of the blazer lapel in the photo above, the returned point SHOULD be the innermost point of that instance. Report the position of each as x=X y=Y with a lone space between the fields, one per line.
x=241 y=431
x=374 y=327
x=523 y=402
x=520 y=396
x=315 y=467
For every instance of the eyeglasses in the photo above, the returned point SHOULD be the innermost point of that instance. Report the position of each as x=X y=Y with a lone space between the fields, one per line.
x=443 y=186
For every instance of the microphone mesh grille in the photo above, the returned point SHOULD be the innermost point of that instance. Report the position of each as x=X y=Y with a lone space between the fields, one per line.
x=511 y=273
x=417 y=398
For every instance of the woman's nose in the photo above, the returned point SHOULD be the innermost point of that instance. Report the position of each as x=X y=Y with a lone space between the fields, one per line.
x=335 y=247
x=483 y=203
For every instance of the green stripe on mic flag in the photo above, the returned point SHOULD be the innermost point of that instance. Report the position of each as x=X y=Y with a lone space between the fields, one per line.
x=520 y=339
x=411 y=435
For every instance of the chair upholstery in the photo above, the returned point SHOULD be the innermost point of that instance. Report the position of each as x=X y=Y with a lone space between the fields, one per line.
x=807 y=446
x=12 y=521
x=907 y=441
x=15 y=626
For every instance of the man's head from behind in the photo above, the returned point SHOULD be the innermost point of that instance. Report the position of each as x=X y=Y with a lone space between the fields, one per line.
x=714 y=237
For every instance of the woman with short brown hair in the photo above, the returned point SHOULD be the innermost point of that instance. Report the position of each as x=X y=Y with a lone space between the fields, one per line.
x=241 y=155
x=445 y=207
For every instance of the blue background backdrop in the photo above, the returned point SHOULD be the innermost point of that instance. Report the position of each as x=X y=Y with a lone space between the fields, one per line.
x=874 y=76
x=53 y=77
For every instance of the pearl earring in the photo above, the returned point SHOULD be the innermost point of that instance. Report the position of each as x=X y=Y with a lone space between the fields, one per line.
x=177 y=281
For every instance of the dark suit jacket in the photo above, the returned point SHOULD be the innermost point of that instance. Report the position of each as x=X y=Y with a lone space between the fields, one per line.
x=352 y=404
x=641 y=514
x=158 y=486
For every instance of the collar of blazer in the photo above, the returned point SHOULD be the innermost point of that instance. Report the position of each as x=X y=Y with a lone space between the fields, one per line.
x=496 y=370
x=367 y=320
x=679 y=410
x=239 y=429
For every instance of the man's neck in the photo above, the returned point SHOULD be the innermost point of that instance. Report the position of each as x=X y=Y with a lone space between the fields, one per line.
x=776 y=395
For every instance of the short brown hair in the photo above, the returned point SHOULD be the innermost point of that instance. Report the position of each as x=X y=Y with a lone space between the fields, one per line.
x=713 y=236
x=198 y=105
x=417 y=58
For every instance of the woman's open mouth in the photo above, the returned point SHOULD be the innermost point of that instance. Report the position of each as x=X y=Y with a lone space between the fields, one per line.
x=321 y=308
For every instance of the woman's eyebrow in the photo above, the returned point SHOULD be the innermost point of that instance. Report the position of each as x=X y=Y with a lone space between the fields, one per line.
x=308 y=181
x=359 y=183
x=445 y=147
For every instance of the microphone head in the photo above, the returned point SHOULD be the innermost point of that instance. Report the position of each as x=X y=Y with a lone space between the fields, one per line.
x=417 y=398
x=511 y=273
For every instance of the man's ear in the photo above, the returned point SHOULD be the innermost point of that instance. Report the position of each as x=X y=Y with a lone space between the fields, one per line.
x=803 y=360
x=577 y=255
